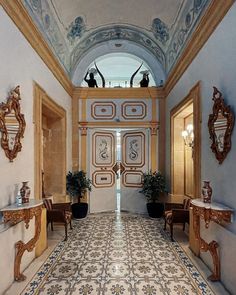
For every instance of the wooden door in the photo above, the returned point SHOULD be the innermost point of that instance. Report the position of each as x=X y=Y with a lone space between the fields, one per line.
x=102 y=160
x=134 y=161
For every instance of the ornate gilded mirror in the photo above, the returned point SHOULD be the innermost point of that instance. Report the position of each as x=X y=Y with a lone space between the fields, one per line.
x=12 y=124
x=220 y=125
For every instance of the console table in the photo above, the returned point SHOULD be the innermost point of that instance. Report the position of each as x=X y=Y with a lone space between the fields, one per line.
x=16 y=213
x=210 y=212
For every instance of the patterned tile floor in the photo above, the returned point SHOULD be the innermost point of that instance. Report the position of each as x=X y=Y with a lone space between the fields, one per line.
x=118 y=254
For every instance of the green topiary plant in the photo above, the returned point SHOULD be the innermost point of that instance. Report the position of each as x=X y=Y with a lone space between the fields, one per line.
x=77 y=184
x=153 y=184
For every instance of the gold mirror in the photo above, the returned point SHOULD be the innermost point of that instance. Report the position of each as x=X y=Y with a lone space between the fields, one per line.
x=12 y=124
x=220 y=125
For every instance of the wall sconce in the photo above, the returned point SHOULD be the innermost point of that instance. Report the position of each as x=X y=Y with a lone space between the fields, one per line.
x=188 y=136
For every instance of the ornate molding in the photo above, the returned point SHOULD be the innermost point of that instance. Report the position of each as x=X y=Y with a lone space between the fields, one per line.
x=212 y=17
x=19 y=15
x=117 y=32
x=187 y=22
x=83 y=130
x=154 y=128
x=133 y=93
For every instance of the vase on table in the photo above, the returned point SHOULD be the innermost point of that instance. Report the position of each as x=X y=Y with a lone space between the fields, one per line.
x=25 y=192
x=206 y=192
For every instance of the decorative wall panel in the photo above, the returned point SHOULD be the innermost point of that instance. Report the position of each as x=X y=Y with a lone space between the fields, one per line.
x=132 y=178
x=119 y=110
x=103 y=153
x=133 y=153
x=133 y=110
x=103 y=110
x=103 y=179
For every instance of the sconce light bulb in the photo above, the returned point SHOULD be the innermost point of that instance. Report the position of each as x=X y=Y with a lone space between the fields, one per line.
x=189 y=128
x=184 y=134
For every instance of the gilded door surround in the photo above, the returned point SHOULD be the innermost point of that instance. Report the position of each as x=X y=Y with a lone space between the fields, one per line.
x=42 y=99
x=193 y=97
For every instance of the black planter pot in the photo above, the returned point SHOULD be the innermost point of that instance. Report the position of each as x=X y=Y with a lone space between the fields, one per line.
x=79 y=210
x=155 y=210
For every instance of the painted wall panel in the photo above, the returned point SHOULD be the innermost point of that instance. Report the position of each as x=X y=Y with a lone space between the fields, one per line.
x=120 y=110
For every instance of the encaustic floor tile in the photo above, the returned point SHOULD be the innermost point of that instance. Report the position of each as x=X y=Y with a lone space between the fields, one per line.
x=110 y=254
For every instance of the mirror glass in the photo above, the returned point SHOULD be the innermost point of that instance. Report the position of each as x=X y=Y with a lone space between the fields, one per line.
x=12 y=125
x=220 y=127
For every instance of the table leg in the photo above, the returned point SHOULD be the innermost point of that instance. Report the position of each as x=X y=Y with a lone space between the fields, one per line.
x=21 y=247
x=211 y=247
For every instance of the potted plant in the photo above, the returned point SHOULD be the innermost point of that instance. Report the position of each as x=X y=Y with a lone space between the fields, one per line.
x=76 y=185
x=153 y=186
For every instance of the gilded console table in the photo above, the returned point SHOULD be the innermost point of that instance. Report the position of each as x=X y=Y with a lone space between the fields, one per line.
x=16 y=213
x=210 y=212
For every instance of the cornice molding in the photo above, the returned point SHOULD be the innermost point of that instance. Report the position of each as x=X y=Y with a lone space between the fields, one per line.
x=213 y=16
x=19 y=15
x=116 y=93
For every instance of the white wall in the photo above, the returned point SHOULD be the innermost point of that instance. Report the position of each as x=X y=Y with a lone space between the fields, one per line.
x=215 y=65
x=20 y=65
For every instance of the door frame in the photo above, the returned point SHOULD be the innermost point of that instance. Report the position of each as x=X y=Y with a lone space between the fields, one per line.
x=41 y=98
x=193 y=97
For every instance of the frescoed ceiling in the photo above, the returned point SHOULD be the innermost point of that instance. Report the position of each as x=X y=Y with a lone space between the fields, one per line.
x=73 y=28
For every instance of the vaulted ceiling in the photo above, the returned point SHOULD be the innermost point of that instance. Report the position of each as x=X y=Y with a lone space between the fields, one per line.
x=79 y=30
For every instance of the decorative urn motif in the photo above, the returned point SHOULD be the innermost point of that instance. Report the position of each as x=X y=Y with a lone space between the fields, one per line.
x=25 y=192
x=206 y=192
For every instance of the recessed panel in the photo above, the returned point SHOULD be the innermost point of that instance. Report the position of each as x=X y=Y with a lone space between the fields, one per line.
x=133 y=110
x=134 y=149
x=103 y=149
x=132 y=178
x=103 y=178
x=103 y=110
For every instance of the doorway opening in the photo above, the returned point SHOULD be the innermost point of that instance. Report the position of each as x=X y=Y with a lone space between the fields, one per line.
x=118 y=174
x=183 y=183
x=185 y=154
x=50 y=146
x=117 y=160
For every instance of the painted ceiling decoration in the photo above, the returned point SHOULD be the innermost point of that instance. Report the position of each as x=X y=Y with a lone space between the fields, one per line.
x=72 y=33
x=117 y=33
x=76 y=29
